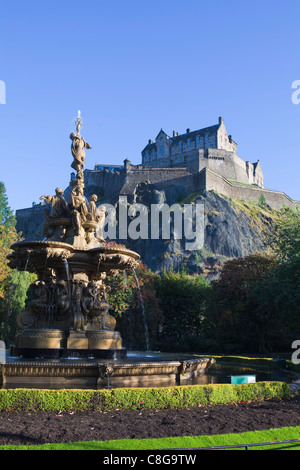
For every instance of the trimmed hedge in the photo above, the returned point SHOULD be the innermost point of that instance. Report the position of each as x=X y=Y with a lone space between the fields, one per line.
x=138 y=398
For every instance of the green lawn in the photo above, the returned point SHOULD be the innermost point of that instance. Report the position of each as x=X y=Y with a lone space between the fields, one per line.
x=187 y=442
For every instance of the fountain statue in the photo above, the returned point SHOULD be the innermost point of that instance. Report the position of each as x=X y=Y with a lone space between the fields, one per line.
x=67 y=315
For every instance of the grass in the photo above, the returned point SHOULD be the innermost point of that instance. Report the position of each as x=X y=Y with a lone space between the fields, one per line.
x=186 y=442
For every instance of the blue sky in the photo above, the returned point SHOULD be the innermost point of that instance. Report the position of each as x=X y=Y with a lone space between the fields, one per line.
x=135 y=67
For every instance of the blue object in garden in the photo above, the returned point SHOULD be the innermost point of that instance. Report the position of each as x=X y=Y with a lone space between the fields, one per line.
x=243 y=379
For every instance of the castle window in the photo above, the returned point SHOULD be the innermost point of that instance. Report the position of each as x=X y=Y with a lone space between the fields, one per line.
x=198 y=140
x=189 y=142
x=153 y=152
x=162 y=150
x=206 y=137
x=180 y=144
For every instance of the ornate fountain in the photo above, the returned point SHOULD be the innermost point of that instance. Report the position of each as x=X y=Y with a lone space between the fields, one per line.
x=67 y=313
x=67 y=316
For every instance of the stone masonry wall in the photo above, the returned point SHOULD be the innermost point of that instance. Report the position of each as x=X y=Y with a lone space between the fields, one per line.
x=209 y=180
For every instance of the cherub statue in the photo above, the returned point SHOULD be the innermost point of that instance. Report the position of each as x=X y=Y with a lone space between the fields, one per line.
x=78 y=207
x=93 y=212
x=57 y=208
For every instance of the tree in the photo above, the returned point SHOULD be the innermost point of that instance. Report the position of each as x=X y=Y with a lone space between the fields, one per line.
x=8 y=236
x=238 y=310
x=284 y=241
x=285 y=245
x=183 y=300
x=17 y=286
x=12 y=294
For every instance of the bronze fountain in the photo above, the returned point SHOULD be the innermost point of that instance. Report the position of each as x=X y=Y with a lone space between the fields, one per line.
x=67 y=313
x=66 y=335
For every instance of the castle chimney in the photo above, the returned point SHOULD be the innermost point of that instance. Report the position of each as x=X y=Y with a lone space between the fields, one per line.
x=188 y=130
x=221 y=120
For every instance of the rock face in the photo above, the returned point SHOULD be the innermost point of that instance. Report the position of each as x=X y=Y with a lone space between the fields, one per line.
x=232 y=228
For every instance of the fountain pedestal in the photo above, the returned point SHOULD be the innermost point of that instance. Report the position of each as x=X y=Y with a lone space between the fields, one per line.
x=77 y=340
x=39 y=339
x=67 y=312
x=104 y=340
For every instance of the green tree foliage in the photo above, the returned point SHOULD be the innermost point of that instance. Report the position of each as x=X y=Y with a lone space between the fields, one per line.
x=13 y=284
x=183 y=300
x=238 y=312
x=8 y=236
x=285 y=240
x=14 y=301
x=285 y=244
x=256 y=301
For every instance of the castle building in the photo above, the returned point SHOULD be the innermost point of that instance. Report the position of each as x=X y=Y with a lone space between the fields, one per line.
x=210 y=147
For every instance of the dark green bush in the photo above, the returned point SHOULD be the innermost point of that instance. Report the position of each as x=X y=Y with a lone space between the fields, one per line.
x=138 y=398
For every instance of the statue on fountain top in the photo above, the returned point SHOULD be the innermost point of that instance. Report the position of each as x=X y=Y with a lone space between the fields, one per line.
x=77 y=148
x=76 y=221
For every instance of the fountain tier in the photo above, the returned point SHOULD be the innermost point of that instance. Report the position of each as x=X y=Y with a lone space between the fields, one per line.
x=137 y=370
x=67 y=313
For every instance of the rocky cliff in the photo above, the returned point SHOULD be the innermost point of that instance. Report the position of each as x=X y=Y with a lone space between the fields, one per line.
x=232 y=228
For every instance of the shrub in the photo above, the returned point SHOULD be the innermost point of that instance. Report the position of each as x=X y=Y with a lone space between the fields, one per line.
x=138 y=398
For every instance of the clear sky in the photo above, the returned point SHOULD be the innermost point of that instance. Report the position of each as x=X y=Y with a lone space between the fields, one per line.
x=133 y=67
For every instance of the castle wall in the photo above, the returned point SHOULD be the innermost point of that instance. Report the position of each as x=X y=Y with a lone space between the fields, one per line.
x=30 y=221
x=189 y=143
x=224 y=141
x=165 y=178
x=223 y=162
x=107 y=181
x=213 y=182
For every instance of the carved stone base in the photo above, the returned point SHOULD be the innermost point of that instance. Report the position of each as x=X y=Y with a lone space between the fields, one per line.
x=77 y=340
x=54 y=343
x=93 y=373
x=40 y=339
x=104 y=339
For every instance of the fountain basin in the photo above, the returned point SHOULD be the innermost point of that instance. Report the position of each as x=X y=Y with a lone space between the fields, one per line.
x=36 y=256
x=67 y=313
x=140 y=371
